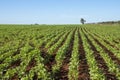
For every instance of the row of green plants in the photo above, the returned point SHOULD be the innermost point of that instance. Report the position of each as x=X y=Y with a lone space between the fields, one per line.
x=107 y=32
x=24 y=57
x=94 y=70
x=53 y=48
x=61 y=53
x=110 y=48
x=54 y=40
x=113 y=68
x=74 y=60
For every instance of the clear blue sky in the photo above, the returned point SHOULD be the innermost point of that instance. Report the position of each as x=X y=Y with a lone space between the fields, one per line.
x=58 y=11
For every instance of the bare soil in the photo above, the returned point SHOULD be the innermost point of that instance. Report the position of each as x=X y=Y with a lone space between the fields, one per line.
x=83 y=67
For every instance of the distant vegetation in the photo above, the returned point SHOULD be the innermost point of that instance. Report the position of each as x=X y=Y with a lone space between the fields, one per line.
x=109 y=22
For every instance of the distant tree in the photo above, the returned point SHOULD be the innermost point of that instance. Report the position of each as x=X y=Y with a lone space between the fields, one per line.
x=82 y=21
x=118 y=22
x=36 y=24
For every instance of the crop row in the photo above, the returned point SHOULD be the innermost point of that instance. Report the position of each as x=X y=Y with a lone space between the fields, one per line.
x=59 y=52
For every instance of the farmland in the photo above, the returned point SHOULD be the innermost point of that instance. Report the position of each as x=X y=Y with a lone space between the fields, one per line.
x=60 y=52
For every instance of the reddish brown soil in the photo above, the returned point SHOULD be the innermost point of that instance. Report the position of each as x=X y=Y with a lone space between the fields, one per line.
x=63 y=73
x=101 y=63
x=31 y=64
x=46 y=57
x=15 y=77
x=83 y=67
x=15 y=64
x=113 y=57
x=50 y=59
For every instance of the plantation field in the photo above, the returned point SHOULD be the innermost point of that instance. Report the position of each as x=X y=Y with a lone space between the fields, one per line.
x=60 y=52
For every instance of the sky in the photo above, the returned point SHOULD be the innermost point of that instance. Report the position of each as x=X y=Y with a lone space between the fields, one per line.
x=58 y=11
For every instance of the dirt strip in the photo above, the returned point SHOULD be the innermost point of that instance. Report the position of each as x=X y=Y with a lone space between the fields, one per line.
x=50 y=59
x=83 y=67
x=63 y=73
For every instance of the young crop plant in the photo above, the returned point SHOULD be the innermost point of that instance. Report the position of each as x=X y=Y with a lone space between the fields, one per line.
x=74 y=60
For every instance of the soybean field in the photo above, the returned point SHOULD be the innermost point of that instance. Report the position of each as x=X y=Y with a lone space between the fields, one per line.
x=60 y=52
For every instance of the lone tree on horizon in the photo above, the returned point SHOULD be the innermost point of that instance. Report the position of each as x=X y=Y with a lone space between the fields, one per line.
x=82 y=21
